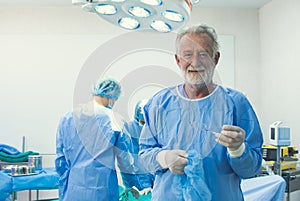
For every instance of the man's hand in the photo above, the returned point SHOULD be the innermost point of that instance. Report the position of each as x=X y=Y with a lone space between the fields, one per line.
x=233 y=138
x=145 y=191
x=175 y=160
x=134 y=191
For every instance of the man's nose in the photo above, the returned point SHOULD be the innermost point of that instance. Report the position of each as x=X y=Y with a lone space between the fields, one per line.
x=196 y=60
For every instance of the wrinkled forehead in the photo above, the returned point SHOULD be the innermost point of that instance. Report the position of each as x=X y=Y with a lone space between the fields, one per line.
x=196 y=42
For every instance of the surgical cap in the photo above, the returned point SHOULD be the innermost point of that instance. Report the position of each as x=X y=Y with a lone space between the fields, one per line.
x=108 y=88
x=139 y=112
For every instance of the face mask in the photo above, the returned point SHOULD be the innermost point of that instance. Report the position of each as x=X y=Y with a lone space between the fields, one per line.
x=110 y=103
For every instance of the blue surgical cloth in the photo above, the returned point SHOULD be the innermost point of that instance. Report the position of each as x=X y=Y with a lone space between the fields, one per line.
x=132 y=171
x=176 y=122
x=266 y=188
x=9 y=149
x=85 y=149
x=47 y=178
x=195 y=186
x=192 y=185
x=5 y=186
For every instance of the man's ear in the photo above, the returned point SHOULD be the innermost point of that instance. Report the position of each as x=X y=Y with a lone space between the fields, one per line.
x=177 y=59
x=217 y=58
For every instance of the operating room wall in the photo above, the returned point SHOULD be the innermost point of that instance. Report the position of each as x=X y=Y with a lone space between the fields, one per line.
x=41 y=59
x=43 y=50
x=280 y=72
x=280 y=69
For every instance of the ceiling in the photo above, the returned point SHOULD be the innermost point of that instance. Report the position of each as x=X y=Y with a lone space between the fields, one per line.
x=234 y=3
x=203 y=3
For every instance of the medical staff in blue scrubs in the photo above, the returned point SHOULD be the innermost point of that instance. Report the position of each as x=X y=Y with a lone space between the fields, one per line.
x=217 y=124
x=85 y=147
x=132 y=172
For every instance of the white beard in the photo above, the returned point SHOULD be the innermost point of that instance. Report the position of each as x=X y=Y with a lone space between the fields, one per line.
x=201 y=78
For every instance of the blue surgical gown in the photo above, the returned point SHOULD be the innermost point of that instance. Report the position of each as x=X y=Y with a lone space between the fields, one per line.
x=175 y=122
x=85 y=155
x=132 y=171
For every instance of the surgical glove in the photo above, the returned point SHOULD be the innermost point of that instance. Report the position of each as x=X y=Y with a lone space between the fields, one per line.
x=134 y=191
x=233 y=138
x=175 y=160
x=145 y=191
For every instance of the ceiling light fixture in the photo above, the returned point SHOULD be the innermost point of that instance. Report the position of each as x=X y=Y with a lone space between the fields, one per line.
x=159 y=15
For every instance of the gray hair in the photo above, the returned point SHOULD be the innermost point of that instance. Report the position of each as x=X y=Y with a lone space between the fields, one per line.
x=199 y=29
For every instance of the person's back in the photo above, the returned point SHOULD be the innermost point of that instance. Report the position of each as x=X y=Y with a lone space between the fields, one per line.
x=85 y=154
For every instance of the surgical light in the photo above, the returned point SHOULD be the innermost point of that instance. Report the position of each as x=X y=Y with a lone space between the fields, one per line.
x=173 y=15
x=160 y=26
x=129 y=23
x=152 y=2
x=159 y=15
x=105 y=9
x=139 y=11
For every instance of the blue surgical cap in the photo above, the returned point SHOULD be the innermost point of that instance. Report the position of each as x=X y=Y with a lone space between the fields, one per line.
x=139 y=110
x=108 y=88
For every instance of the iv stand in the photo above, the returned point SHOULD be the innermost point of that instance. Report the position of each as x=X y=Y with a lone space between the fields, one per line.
x=277 y=165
